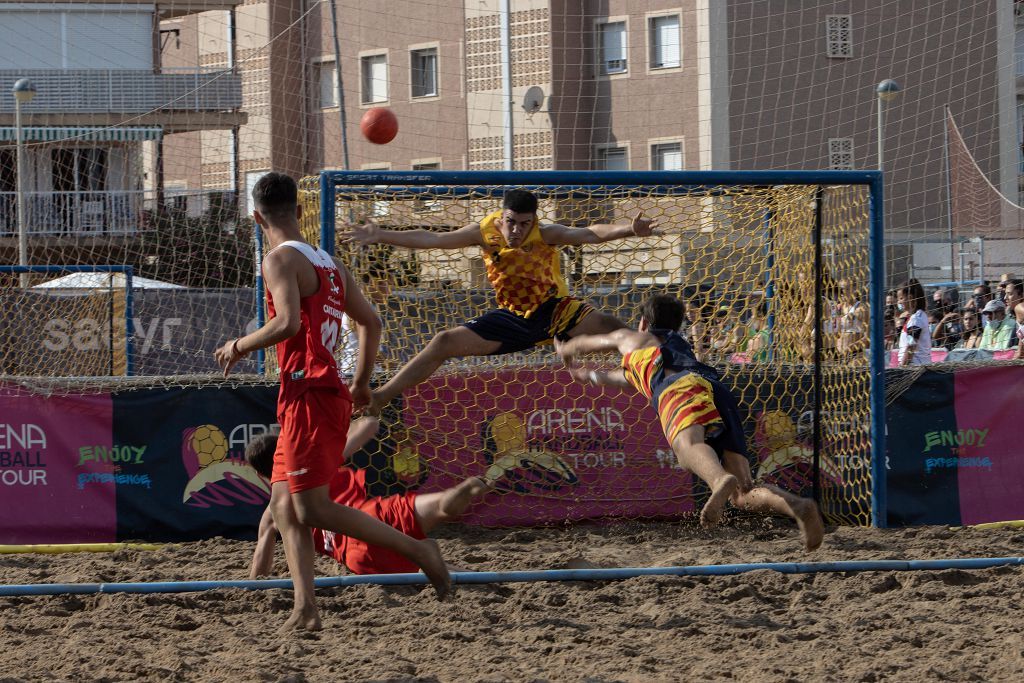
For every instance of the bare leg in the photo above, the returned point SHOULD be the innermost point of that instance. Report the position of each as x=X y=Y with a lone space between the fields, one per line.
x=432 y=509
x=315 y=509
x=360 y=431
x=457 y=342
x=699 y=458
x=771 y=499
x=597 y=323
x=298 y=549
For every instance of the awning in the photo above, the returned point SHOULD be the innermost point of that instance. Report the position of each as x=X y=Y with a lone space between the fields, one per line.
x=79 y=134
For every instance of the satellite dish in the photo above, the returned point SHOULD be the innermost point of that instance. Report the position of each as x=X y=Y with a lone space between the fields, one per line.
x=533 y=99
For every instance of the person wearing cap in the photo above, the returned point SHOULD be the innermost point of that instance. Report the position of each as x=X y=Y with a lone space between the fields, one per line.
x=996 y=336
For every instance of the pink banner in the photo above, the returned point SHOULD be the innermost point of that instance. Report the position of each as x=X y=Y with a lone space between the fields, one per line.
x=564 y=451
x=53 y=491
x=990 y=458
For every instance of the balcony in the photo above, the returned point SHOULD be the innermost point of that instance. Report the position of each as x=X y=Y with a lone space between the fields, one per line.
x=100 y=214
x=180 y=101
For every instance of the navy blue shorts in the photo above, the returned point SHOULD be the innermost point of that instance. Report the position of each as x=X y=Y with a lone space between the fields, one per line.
x=553 y=318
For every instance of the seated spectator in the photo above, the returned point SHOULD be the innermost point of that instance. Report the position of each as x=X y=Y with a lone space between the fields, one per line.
x=982 y=295
x=757 y=338
x=950 y=327
x=971 y=337
x=1004 y=280
x=1014 y=296
x=853 y=324
x=1019 y=314
x=915 y=335
x=996 y=336
x=889 y=327
x=698 y=331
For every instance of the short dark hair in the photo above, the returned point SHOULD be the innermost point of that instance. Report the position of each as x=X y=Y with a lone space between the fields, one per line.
x=275 y=195
x=520 y=201
x=663 y=312
x=259 y=453
x=915 y=294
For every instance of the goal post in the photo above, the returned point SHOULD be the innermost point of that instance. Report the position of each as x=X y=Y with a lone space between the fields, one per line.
x=735 y=244
x=73 y=303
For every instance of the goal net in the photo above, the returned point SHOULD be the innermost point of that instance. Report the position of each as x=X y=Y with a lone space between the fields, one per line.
x=740 y=251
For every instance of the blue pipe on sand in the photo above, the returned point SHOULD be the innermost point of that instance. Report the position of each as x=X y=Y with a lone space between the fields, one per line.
x=517 y=576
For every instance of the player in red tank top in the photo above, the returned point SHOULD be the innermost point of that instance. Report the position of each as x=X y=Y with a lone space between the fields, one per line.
x=304 y=289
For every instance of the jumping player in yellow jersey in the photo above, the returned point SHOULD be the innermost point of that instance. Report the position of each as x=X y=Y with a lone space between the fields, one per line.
x=523 y=264
x=698 y=413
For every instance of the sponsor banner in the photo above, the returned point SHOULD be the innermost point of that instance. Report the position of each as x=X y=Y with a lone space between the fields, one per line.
x=187 y=448
x=953 y=444
x=177 y=330
x=54 y=489
x=573 y=452
x=988 y=453
x=921 y=489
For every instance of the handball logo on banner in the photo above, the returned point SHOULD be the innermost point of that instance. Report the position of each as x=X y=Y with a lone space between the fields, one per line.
x=218 y=473
x=22 y=455
x=517 y=466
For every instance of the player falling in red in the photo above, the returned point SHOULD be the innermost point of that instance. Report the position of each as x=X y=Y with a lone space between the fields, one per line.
x=414 y=514
x=307 y=292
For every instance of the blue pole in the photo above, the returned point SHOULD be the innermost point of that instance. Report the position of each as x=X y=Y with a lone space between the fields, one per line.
x=129 y=325
x=327 y=212
x=466 y=578
x=876 y=262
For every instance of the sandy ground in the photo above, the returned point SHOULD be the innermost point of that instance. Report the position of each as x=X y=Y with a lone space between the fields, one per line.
x=763 y=626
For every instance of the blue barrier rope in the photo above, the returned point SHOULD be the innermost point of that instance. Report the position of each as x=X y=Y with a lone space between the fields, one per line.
x=516 y=576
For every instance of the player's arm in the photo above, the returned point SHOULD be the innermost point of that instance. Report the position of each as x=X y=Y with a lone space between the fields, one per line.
x=281 y=277
x=601 y=378
x=622 y=340
x=266 y=542
x=368 y=333
x=371 y=233
x=555 y=234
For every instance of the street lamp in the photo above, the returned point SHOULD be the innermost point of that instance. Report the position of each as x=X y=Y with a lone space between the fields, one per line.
x=24 y=90
x=886 y=91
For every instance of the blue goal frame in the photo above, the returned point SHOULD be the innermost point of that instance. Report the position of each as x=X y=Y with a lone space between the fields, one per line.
x=127 y=271
x=467 y=183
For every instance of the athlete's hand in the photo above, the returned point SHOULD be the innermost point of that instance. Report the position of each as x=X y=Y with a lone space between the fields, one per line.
x=228 y=355
x=644 y=227
x=565 y=352
x=365 y=233
x=361 y=396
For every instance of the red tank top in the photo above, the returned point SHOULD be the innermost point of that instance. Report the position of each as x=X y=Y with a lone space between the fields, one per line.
x=306 y=360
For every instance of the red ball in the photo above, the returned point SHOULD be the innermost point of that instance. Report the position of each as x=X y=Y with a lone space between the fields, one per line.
x=379 y=125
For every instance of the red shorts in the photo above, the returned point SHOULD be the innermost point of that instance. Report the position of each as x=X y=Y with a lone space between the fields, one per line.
x=398 y=512
x=314 y=428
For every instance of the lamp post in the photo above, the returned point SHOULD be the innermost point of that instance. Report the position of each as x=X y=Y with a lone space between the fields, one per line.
x=24 y=90
x=886 y=91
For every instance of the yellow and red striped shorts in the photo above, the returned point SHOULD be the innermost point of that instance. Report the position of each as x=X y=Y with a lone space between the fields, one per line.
x=686 y=402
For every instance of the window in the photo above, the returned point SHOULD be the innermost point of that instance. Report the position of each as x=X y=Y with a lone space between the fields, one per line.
x=667 y=156
x=423 y=65
x=839 y=35
x=429 y=166
x=611 y=159
x=328 y=84
x=840 y=153
x=613 y=47
x=663 y=36
x=374 y=78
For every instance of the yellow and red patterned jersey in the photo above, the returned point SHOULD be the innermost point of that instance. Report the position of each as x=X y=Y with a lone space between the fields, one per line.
x=524 y=277
x=641 y=366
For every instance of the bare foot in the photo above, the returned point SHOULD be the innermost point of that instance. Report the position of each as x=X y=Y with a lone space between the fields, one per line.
x=455 y=500
x=808 y=519
x=723 y=489
x=303 y=619
x=430 y=561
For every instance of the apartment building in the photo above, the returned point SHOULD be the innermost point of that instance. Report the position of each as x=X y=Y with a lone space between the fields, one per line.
x=666 y=84
x=94 y=132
